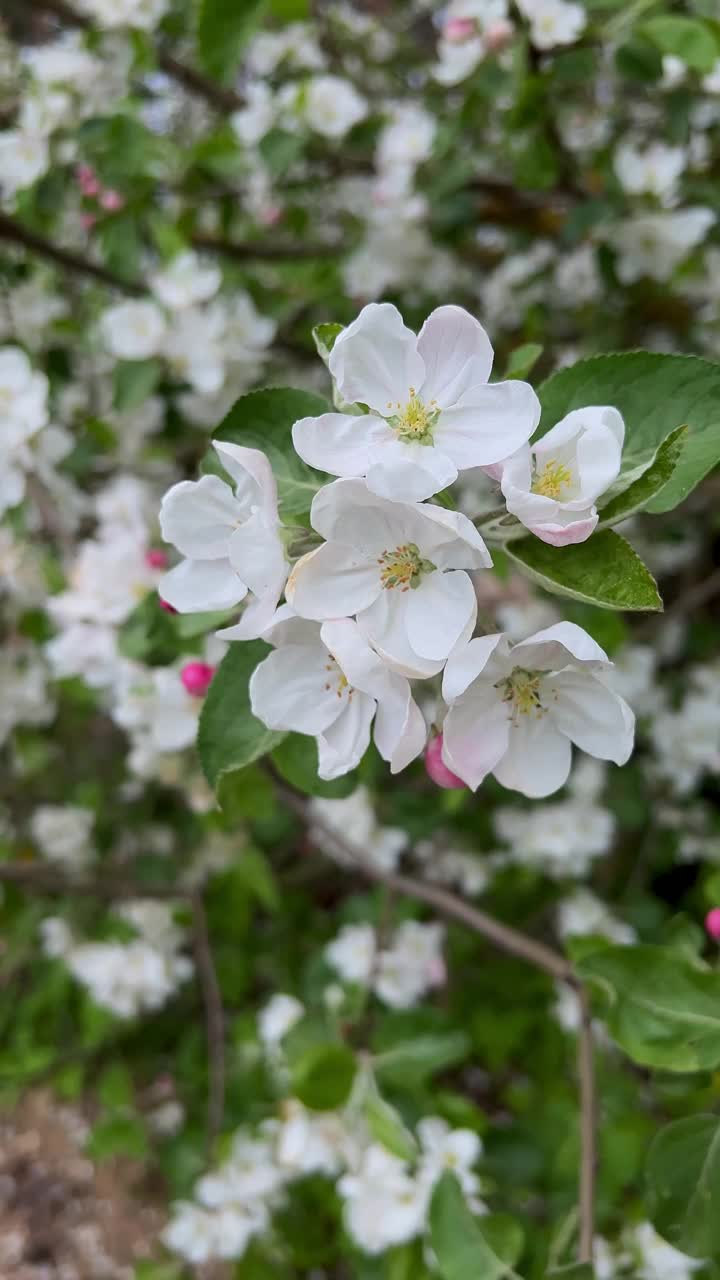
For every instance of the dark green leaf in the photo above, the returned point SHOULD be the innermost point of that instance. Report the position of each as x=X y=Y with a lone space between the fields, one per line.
x=457 y=1238
x=223 y=27
x=683 y=1177
x=229 y=736
x=323 y=1077
x=603 y=571
x=637 y=496
x=296 y=758
x=689 y=39
x=655 y=394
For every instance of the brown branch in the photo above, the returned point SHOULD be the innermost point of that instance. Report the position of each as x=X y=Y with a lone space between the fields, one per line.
x=45 y=880
x=248 y=250
x=15 y=233
x=588 y=1129
x=214 y=1021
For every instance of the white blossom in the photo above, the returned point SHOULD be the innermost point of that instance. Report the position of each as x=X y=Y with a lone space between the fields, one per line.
x=185 y=281
x=133 y=330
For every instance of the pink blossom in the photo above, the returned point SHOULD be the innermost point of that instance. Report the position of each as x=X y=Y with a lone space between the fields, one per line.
x=436 y=767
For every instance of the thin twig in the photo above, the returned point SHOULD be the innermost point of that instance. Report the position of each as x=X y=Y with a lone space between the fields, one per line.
x=214 y=1021
x=46 y=880
x=588 y=1129
x=15 y=233
x=248 y=250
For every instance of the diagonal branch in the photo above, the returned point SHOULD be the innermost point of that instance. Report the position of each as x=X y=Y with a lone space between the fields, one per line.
x=14 y=232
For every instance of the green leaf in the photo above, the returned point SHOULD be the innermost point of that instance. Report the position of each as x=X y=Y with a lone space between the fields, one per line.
x=229 y=736
x=575 y=1271
x=296 y=758
x=683 y=1179
x=149 y=635
x=118 y=1135
x=458 y=1241
x=246 y=793
x=522 y=360
x=656 y=394
x=664 y=1010
x=115 y=1087
x=323 y=1077
x=290 y=10
x=324 y=336
x=133 y=381
x=637 y=496
x=264 y=420
x=386 y=1127
x=413 y=1061
x=223 y=27
x=602 y=571
x=690 y=39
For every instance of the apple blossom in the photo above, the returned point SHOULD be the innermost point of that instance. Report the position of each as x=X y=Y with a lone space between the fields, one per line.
x=327 y=682
x=552 y=485
x=399 y=566
x=331 y=105
x=231 y=539
x=553 y=22
x=653 y=171
x=432 y=411
x=133 y=330
x=515 y=711
x=185 y=281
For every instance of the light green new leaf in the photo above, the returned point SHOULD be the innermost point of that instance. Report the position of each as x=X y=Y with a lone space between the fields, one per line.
x=264 y=420
x=458 y=1241
x=229 y=736
x=637 y=496
x=222 y=29
x=324 y=336
x=522 y=360
x=133 y=381
x=602 y=571
x=656 y=394
x=664 y=1011
x=386 y=1127
x=411 y=1062
x=323 y=1077
x=683 y=1179
x=689 y=39
x=575 y=1271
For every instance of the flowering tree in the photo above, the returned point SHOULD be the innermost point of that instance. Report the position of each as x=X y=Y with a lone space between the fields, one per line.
x=360 y=802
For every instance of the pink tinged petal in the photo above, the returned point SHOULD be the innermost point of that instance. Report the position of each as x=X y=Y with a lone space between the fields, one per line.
x=347 y=512
x=384 y=625
x=198 y=516
x=575 y=423
x=593 y=716
x=339 y=443
x=375 y=360
x=537 y=761
x=342 y=746
x=556 y=646
x=465 y=664
x=436 y=768
x=202 y=586
x=253 y=476
x=457 y=352
x=332 y=582
x=475 y=735
x=402 y=472
x=565 y=535
x=438 y=612
x=488 y=424
x=295 y=688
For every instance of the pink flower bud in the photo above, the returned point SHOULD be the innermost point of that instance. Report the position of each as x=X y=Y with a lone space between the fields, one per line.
x=497 y=35
x=436 y=767
x=196 y=677
x=271 y=215
x=712 y=924
x=111 y=200
x=459 y=29
x=87 y=180
x=164 y=605
x=87 y=221
x=156 y=558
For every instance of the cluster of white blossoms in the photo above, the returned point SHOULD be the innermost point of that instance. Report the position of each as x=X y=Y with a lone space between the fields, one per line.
x=25 y=411
x=400 y=970
x=388 y=597
x=63 y=834
x=125 y=977
x=386 y=1200
x=643 y=1254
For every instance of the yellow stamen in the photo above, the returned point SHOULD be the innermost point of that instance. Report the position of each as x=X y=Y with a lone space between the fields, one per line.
x=403 y=567
x=522 y=689
x=551 y=481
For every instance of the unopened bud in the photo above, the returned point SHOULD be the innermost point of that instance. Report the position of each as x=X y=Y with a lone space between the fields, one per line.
x=156 y=558
x=436 y=767
x=196 y=677
x=712 y=923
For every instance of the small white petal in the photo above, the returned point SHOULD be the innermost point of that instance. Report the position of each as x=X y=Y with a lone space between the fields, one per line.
x=537 y=761
x=553 y=647
x=342 y=746
x=375 y=360
x=339 y=443
x=438 y=612
x=465 y=664
x=293 y=689
x=457 y=352
x=202 y=586
x=488 y=423
x=475 y=734
x=595 y=718
x=404 y=472
x=332 y=582
x=198 y=516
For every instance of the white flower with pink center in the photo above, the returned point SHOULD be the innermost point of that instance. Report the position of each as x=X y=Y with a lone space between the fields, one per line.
x=432 y=411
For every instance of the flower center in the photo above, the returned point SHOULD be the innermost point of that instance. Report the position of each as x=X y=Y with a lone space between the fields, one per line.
x=404 y=567
x=521 y=689
x=415 y=420
x=552 y=480
x=337 y=679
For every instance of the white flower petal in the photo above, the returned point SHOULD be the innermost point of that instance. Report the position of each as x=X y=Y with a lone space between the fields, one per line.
x=256 y=552
x=457 y=352
x=488 y=423
x=202 y=586
x=384 y=625
x=404 y=472
x=475 y=734
x=537 y=761
x=332 y=582
x=346 y=511
x=342 y=746
x=198 y=516
x=293 y=689
x=438 y=612
x=253 y=476
x=339 y=443
x=595 y=718
x=465 y=664
x=553 y=647
x=375 y=360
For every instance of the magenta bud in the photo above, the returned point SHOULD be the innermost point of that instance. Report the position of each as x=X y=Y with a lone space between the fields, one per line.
x=164 y=605
x=712 y=923
x=156 y=558
x=111 y=200
x=436 y=767
x=196 y=677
